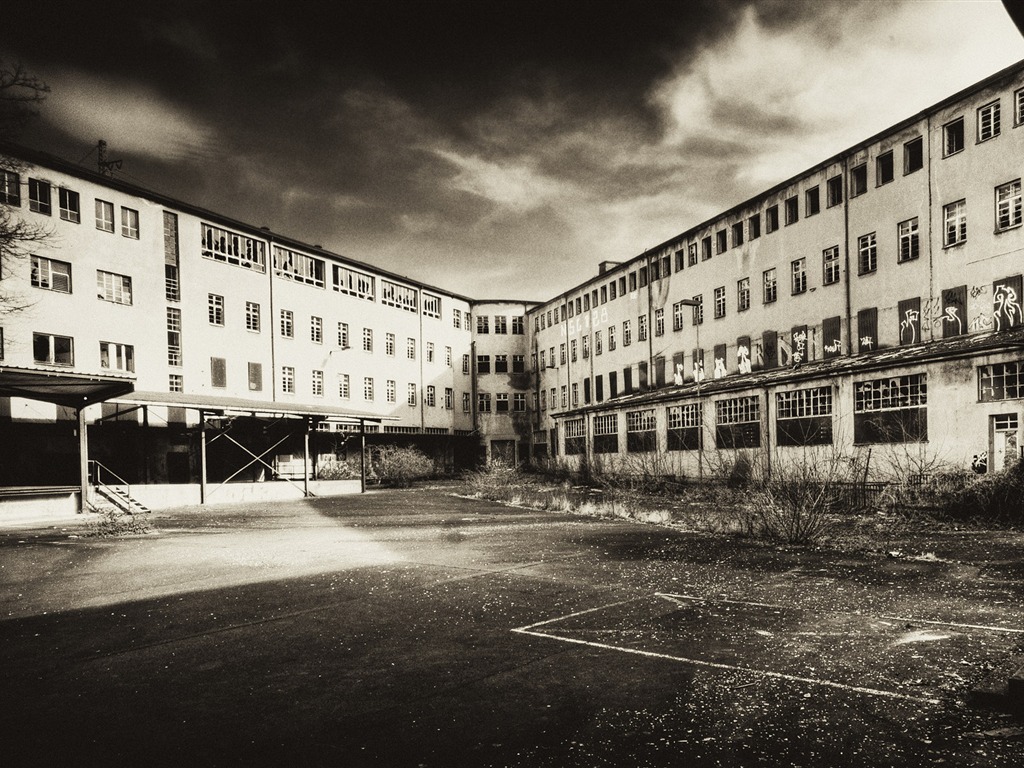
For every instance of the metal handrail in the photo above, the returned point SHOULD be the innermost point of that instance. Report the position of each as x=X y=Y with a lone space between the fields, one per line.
x=98 y=481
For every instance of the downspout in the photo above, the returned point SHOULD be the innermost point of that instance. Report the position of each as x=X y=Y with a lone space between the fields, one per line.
x=273 y=317
x=651 y=376
x=422 y=355
x=931 y=270
x=846 y=260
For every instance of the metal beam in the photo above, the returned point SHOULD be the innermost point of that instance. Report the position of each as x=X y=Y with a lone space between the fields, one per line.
x=202 y=457
x=83 y=460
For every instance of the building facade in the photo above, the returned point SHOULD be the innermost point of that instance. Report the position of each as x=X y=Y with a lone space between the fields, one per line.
x=869 y=305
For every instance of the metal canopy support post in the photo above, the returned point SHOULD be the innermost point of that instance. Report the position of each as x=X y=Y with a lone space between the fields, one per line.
x=83 y=460
x=305 y=457
x=202 y=457
x=362 y=456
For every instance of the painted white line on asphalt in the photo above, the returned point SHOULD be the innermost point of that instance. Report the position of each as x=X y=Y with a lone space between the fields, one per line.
x=579 y=613
x=676 y=598
x=953 y=624
x=728 y=667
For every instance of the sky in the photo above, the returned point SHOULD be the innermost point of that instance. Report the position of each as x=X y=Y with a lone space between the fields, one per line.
x=493 y=148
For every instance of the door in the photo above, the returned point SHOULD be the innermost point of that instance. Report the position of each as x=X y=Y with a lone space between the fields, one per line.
x=1004 y=452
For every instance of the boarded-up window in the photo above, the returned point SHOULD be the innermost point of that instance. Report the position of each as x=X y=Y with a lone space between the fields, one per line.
x=586 y=391
x=256 y=377
x=720 y=361
x=770 y=347
x=804 y=417
x=798 y=344
x=642 y=369
x=627 y=380
x=1007 y=303
x=659 y=371
x=613 y=384
x=743 y=354
x=218 y=372
x=909 y=318
x=867 y=330
x=599 y=387
x=891 y=410
x=954 y=311
x=678 y=367
x=831 y=336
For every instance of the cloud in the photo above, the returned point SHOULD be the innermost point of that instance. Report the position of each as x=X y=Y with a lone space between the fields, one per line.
x=131 y=117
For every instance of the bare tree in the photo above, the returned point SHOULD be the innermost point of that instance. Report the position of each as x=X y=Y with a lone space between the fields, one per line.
x=20 y=96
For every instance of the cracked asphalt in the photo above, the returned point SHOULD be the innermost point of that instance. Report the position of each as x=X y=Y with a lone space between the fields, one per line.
x=413 y=628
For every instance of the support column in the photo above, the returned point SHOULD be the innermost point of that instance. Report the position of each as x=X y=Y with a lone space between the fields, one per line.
x=83 y=460
x=305 y=457
x=362 y=456
x=202 y=457
x=146 y=475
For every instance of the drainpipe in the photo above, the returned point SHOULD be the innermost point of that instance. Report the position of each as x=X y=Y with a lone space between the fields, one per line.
x=846 y=260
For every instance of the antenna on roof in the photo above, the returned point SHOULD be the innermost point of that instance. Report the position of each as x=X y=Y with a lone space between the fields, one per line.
x=107 y=167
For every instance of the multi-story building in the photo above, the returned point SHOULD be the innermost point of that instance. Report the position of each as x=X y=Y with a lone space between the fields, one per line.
x=850 y=306
x=207 y=316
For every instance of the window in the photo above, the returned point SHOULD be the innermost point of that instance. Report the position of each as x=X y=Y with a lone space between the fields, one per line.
x=720 y=302
x=812 y=201
x=627 y=333
x=792 y=208
x=771 y=286
x=743 y=294
x=256 y=377
x=483 y=324
x=449 y=398
x=1008 y=205
x=519 y=402
x=113 y=287
x=804 y=416
x=988 y=121
x=483 y=363
x=430 y=397
x=519 y=362
x=641 y=328
x=954 y=217
x=913 y=155
x=218 y=372
x=53 y=350
x=389 y=344
x=659 y=322
x=410 y=394
x=891 y=410
x=909 y=239
x=367 y=340
x=292 y=265
x=737 y=234
x=738 y=422
x=598 y=347
x=429 y=351
x=518 y=325
x=867 y=254
x=1018 y=98
x=215 y=309
x=51 y=275
x=754 y=226
x=859 y=180
x=721 y=243
x=368 y=388
x=457 y=318
x=483 y=402
x=501 y=402
x=391 y=391
x=39 y=197
x=173 y=336
x=606 y=433
x=287 y=324
x=632 y=285
x=1001 y=381
x=353 y=283
x=501 y=361
x=130 y=223
x=344 y=390
x=252 y=316
x=343 y=335
x=432 y=306
x=830 y=265
x=317 y=384
x=104 y=216
x=221 y=245
x=117 y=357
x=410 y=349
x=884 y=168
x=611 y=338
x=400 y=296
x=10 y=188
x=692 y=254
x=953 y=137
x=641 y=434
x=771 y=219
x=799 y=275
x=288 y=380
x=705 y=248
x=175 y=382
x=501 y=324
x=69 y=205
x=466 y=401
x=834 y=191
x=316 y=330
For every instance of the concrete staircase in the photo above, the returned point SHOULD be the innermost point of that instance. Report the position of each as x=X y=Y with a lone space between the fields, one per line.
x=119 y=498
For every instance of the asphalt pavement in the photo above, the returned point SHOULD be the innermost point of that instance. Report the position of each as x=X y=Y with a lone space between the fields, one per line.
x=413 y=628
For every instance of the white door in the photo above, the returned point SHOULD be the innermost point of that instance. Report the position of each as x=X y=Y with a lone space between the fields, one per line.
x=1004 y=451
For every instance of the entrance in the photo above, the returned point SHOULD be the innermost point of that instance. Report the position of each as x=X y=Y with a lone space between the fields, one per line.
x=1004 y=441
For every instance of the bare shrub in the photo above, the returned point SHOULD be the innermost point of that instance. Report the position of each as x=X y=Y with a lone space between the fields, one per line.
x=337 y=470
x=399 y=466
x=993 y=498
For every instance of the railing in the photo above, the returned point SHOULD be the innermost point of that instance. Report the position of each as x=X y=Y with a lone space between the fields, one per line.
x=120 y=493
